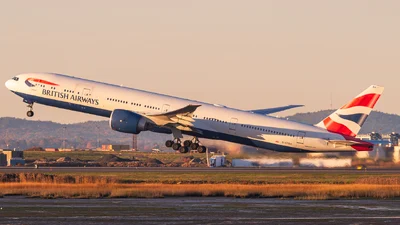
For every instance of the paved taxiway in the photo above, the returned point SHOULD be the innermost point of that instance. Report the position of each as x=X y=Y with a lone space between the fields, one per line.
x=210 y=210
x=186 y=169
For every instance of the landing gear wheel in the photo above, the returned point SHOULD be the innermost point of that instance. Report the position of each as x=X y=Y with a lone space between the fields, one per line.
x=187 y=143
x=183 y=149
x=194 y=146
x=30 y=113
x=169 y=143
x=176 y=146
x=201 y=149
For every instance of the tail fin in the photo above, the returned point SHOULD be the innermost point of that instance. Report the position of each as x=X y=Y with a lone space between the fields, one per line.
x=349 y=119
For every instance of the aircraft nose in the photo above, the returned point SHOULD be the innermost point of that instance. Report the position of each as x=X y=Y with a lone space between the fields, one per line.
x=8 y=84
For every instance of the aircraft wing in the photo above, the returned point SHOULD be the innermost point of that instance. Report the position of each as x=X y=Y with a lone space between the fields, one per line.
x=274 y=110
x=180 y=119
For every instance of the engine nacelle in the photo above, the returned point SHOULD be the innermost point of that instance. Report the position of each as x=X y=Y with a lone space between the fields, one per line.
x=128 y=122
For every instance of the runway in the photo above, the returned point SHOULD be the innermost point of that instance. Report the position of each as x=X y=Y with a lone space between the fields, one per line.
x=196 y=169
x=210 y=210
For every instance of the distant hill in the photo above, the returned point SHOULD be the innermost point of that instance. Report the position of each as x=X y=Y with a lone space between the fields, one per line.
x=22 y=134
x=377 y=121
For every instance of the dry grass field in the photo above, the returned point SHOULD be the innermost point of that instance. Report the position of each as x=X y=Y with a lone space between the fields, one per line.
x=112 y=186
x=296 y=191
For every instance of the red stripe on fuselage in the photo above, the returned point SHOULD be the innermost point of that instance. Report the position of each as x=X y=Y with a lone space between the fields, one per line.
x=335 y=127
x=368 y=100
x=42 y=81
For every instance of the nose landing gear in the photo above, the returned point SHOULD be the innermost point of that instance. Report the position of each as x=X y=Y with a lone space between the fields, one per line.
x=30 y=112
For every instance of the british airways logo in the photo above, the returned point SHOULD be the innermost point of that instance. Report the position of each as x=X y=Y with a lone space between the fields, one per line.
x=30 y=80
x=29 y=84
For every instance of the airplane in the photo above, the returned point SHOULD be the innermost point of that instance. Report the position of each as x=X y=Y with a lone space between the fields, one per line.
x=133 y=111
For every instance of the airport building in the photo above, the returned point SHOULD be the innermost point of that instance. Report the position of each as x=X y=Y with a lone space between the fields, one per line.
x=3 y=159
x=391 y=139
x=115 y=147
x=11 y=158
x=386 y=146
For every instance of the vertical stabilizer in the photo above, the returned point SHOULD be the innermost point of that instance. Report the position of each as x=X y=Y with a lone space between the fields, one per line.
x=349 y=119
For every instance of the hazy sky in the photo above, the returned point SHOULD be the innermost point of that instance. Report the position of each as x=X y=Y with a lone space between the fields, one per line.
x=243 y=54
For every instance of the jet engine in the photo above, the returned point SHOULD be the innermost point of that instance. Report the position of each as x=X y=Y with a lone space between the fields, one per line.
x=129 y=122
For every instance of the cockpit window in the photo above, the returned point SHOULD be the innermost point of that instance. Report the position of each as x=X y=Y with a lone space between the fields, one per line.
x=15 y=78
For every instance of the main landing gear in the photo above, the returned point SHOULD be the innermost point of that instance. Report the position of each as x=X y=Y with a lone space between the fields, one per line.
x=175 y=144
x=193 y=144
x=30 y=112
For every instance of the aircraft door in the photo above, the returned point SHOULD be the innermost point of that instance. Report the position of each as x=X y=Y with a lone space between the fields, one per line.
x=300 y=137
x=165 y=108
x=83 y=91
x=232 y=125
x=86 y=92
x=33 y=89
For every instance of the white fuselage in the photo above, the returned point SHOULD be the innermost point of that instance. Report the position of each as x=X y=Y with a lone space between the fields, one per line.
x=215 y=121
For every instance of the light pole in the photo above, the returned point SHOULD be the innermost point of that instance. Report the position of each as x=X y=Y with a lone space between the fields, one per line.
x=65 y=136
x=7 y=141
x=97 y=131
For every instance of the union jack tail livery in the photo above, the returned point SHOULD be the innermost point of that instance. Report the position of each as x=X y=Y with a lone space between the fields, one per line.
x=349 y=119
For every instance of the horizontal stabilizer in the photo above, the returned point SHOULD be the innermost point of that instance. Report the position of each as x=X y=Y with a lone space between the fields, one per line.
x=356 y=144
x=343 y=142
